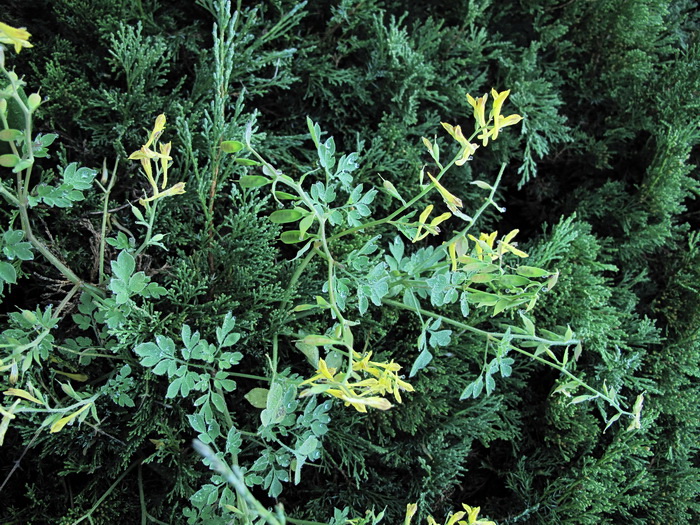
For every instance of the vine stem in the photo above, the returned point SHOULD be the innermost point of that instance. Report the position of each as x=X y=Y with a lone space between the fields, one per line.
x=21 y=200
x=557 y=366
x=398 y=211
x=478 y=331
x=105 y=208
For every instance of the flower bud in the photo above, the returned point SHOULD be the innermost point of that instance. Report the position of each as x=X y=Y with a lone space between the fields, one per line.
x=14 y=373
x=34 y=101
x=105 y=173
x=29 y=316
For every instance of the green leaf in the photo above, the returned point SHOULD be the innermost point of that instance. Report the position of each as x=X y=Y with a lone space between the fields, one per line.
x=9 y=135
x=15 y=248
x=505 y=366
x=137 y=282
x=308 y=446
x=219 y=402
x=7 y=273
x=286 y=216
x=275 y=410
x=258 y=397
x=421 y=362
x=490 y=384
x=440 y=338
x=174 y=388
x=78 y=178
x=227 y=326
x=124 y=266
x=253 y=181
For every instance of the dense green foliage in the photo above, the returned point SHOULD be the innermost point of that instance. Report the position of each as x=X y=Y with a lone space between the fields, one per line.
x=600 y=178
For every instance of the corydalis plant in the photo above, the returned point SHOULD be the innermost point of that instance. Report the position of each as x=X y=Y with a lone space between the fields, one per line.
x=473 y=271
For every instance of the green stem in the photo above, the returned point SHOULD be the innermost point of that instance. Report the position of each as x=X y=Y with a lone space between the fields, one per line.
x=484 y=333
x=557 y=366
x=8 y=195
x=103 y=231
x=397 y=212
x=295 y=278
x=149 y=230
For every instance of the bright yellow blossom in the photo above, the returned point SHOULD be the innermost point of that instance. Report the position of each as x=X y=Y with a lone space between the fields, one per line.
x=362 y=393
x=468 y=148
x=431 y=228
x=471 y=513
x=499 y=121
x=452 y=202
x=479 y=106
x=18 y=37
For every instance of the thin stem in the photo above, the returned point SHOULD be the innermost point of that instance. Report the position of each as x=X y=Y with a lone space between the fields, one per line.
x=295 y=278
x=103 y=231
x=149 y=229
x=478 y=331
x=398 y=211
x=9 y=195
x=557 y=366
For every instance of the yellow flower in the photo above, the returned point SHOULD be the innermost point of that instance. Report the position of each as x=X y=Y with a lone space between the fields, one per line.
x=499 y=121
x=484 y=245
x=505 y=246
x=177 y=189
x=18 y=37
x=452 y=202
x=145 y=155
x=411 y=509
x=361 y=394
x=157 y=130
x=473 y=514
x=164 y=159
x=479 y=106
x=468 y=148
x=431 y=228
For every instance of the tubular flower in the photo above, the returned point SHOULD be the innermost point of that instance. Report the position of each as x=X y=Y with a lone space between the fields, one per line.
x=484 y=247
x=468 y=148
x=499 y=121
x=479 y=106
x=18 y=37
x=431 y=228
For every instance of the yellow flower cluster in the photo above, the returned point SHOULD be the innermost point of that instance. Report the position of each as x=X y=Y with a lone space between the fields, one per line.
x=488 y=130
x=484 y=249
x=18 y=37
x=470 y=513
x=162 y=159
x=379 y=379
